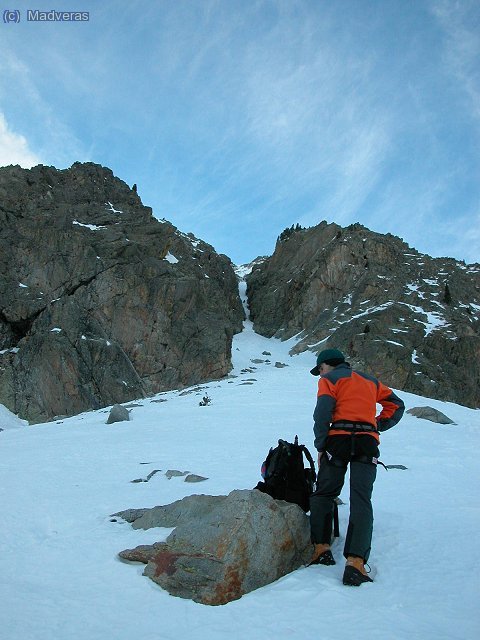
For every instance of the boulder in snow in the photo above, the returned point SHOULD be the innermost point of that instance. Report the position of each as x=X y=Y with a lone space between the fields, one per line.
x=193 y=477
x=118 y=414
x=175 y=473
x=429 y=413
x=222 y=546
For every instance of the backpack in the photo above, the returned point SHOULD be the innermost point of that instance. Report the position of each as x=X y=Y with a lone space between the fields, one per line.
x=284 y=474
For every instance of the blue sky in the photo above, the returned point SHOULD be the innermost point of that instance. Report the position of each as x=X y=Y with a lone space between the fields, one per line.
x=238 y=118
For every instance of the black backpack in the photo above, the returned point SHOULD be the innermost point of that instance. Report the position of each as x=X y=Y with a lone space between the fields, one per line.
x=284 y=474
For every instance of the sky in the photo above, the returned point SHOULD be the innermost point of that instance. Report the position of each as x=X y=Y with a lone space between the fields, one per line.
x=60 y=481
x=239 y=118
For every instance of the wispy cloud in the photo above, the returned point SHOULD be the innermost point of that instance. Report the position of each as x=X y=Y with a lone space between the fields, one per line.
x=460 y=22
x=460 y=237
x=14 y=148
x=49 y=136
x=312 y=107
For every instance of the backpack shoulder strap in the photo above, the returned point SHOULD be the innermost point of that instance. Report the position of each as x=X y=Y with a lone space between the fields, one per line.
x=308 y=455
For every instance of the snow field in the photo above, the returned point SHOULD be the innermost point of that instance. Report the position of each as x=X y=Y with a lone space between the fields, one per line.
x=59 y=483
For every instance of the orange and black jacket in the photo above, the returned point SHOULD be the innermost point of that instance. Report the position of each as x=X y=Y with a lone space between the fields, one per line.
x=347 y=397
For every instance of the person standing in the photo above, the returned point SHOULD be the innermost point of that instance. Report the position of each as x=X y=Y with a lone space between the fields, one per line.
x=346 y=431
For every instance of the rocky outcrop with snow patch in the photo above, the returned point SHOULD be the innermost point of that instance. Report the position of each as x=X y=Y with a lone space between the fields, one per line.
x=101 y=303
x=410 y=319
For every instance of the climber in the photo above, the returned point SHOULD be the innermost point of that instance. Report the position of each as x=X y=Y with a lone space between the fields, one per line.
x=346 y=433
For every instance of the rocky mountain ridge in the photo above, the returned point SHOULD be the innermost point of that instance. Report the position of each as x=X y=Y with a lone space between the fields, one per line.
x=99 y=301
x=411 y=319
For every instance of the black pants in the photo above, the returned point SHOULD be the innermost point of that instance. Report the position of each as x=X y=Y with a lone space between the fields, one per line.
x=330 y=479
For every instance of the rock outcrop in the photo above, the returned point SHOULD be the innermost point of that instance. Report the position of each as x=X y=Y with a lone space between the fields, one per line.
x=408 y=318
x=101 y=303
x=222 y=546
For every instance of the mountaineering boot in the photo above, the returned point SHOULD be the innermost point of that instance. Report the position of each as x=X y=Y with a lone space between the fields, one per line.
x=322 y=555
x=355 y=574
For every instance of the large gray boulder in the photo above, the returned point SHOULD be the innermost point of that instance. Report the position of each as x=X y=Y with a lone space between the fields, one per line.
x=118 y=413
x=222 y=546
x=431 y=414
x=101 y=303
x=412 y=320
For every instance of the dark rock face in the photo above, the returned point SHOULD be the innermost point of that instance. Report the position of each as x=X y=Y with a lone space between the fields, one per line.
x=222 y=546
x=101 y=303
x=410 y=319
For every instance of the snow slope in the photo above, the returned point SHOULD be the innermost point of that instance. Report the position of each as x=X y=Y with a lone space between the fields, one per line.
x=59 y=483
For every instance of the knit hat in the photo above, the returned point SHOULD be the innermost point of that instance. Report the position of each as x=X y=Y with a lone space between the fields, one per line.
x=328 y=356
